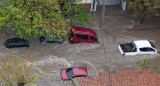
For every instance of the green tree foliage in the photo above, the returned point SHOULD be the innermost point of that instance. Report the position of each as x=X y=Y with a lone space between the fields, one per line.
x=33 y=17
x=79 y=14
x=143 y=64
x=18 y=70
x=41 y=17
x=73 y=11
x=143 y=8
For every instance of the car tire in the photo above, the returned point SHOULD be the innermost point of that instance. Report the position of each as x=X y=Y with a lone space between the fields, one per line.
x=60 y=42
x=71 y=42
x=11 y=46
x=7 y=46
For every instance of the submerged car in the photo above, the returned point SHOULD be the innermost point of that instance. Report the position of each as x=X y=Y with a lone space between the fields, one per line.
x=69 y=73
x=50 y=39
x=137 y=47
x=16 y=42
x=81 y=34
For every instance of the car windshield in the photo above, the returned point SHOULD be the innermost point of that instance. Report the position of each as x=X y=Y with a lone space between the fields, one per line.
x=69 y=72
x=42 y=38
x=71 y=33
x=9 y=40
x=152 y=44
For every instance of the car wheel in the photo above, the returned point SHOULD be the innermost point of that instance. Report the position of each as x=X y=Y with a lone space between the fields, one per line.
x=11 y=46
x=60 y=42
x=71 y=42
x=7 y=46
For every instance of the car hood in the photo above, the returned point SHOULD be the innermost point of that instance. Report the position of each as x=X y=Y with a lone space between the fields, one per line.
x=63 y=74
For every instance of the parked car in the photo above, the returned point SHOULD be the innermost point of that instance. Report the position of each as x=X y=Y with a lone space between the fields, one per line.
x=16 y=42
x=69 y=73
x=81 y=34
x=137 y=47
x=50 y=39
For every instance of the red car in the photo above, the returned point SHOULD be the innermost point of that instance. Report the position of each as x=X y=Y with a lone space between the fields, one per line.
x=69 y=73
x=81 y=34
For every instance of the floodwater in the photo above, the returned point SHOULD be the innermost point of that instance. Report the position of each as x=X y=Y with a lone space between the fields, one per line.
x=97 y=57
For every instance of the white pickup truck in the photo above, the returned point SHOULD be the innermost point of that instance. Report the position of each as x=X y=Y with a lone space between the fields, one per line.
x=137 y=47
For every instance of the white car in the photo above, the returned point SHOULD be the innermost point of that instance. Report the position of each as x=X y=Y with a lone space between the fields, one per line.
x=137 y=47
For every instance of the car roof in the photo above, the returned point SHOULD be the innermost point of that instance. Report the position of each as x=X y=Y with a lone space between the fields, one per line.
x=83 y=30
x=142 y=43
x=80 y=70
x=15 y=40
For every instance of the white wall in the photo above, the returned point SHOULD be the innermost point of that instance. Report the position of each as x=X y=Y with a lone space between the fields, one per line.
x=85 y=1
x=109 y=2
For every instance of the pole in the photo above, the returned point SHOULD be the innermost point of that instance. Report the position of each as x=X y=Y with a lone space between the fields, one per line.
x=103 y=13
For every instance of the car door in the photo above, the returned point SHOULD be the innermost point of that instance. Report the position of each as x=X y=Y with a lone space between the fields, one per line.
x=147 y=50
x=11 y=44
x=85 y=38
x=58 y=40
x=81 y=38
x=20 y=44
x=17 y=42
x=50 y=40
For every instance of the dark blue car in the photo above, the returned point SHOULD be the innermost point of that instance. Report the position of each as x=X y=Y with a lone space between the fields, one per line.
x=50 y=39
x=16 y=42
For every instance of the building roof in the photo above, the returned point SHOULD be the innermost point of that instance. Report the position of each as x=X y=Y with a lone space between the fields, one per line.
x=138 y=77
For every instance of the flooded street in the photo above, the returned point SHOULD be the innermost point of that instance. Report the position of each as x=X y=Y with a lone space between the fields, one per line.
x=97 y=57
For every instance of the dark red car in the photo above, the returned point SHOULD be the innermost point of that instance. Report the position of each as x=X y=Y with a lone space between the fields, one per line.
x=81 y=34
x=69 y=73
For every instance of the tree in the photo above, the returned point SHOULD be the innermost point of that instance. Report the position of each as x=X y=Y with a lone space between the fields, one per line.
x=18 y=70
x=79 y=13
x=143 y=8
x=41 y=17
x=144 y=64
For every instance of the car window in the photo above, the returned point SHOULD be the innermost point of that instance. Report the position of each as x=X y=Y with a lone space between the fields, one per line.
x=146 y=49
x=143 y=49
x=82 y=36
x=14 y=40
x=150 y=49
x=78 y=36
x=93 y=38
x=50 y=41
x=57 y=39
x=69 y=72
x=21 y=42
x=85 y=37
x=17 y=40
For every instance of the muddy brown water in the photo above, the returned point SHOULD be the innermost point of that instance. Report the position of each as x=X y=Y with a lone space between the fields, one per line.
x=104 y=56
